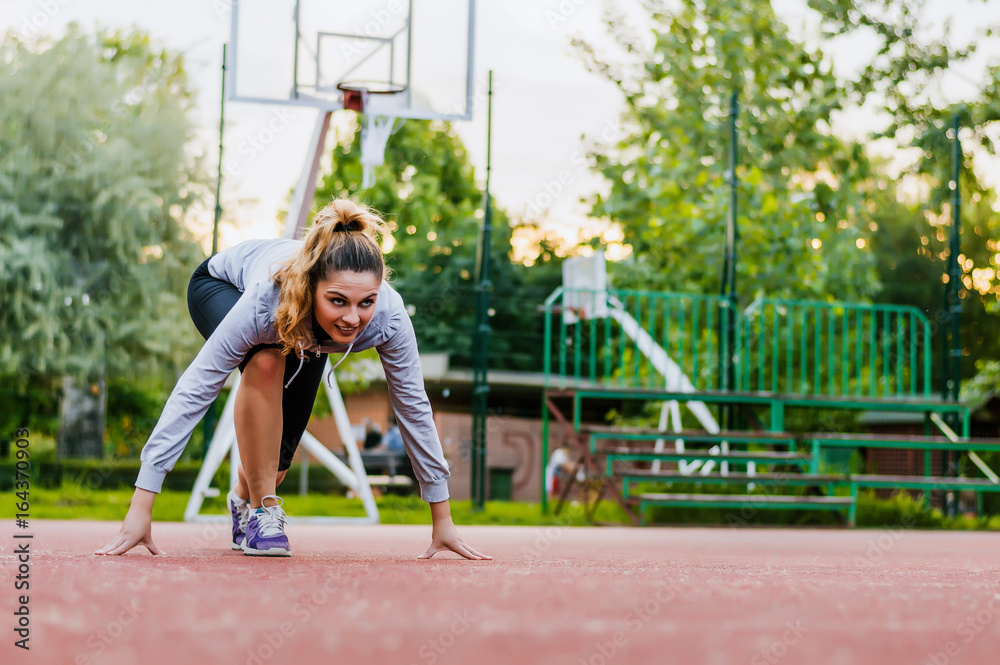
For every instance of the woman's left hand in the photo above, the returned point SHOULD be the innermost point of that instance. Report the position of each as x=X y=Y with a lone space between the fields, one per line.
x=445 y=536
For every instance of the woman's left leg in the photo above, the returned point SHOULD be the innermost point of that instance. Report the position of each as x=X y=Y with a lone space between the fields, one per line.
x=297 y=405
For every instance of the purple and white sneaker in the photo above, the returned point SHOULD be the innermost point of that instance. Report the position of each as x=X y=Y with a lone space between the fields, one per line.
x=239 y=509
x=266 y=531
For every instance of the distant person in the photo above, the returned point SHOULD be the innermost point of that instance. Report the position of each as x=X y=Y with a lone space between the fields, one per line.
x=559 y=470
x=373 y=436
x=393 y=441
x=275 y=309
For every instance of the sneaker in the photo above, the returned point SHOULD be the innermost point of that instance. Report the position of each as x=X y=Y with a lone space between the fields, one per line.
x=240 y=511
x=266 y=531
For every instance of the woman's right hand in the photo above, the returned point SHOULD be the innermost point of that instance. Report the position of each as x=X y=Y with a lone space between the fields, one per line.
x=137 y=528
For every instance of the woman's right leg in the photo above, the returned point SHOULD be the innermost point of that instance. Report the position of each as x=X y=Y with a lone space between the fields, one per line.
x=257 y=418
x=257 y=411
x=242 y=487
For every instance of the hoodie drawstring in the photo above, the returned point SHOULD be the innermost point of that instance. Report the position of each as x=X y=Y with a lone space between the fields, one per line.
x=329 y=375
x=302 y=358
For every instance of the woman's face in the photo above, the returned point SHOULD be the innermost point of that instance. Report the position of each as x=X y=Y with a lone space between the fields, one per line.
x=345 y=303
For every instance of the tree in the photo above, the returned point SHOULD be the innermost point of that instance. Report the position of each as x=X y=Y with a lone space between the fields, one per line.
x=428 y=193
x=95 y=182
x=821 y=216
x=905 y=83
x=803 y=224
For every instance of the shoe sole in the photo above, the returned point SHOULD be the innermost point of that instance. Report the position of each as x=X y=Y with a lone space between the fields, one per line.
x=274 y=551
x=237 y=546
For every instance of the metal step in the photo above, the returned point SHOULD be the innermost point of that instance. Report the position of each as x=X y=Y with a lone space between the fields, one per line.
x=770 y=478
x=737 y=500
x=705 y=455
x=700 y=435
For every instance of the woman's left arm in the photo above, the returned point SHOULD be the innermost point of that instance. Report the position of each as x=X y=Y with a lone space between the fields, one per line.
x=415 y=419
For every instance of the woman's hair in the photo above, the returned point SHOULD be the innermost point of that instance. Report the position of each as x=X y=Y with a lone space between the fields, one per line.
x=344 y=236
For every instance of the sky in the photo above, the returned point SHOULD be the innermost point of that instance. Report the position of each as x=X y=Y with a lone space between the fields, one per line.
x=545 y=100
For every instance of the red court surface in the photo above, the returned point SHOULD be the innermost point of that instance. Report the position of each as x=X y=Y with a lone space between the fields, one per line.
x=353 y=594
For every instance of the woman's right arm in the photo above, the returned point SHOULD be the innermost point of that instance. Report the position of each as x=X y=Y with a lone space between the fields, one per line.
x=198 y=386
x=137 y=528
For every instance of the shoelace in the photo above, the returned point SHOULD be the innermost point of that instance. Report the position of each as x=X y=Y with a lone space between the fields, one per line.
x=271 y=522
x=244 y=513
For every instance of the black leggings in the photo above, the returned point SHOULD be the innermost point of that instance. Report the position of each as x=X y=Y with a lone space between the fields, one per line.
x=209 y=300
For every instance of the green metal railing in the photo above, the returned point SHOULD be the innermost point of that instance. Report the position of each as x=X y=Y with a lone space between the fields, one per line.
x=836 y=349
x=790 y=347
x=610 y=345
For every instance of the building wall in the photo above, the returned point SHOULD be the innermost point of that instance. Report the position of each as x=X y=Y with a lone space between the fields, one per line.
x=511 y=443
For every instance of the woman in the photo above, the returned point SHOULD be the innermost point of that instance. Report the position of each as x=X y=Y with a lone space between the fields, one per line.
x=275 y=309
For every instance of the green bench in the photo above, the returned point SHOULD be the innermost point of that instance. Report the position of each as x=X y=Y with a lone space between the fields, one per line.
x=754 y=501
x=831 y=482
x=596 y=434
x=760 y=457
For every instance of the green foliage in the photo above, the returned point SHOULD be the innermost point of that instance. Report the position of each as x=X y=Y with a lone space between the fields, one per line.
x=75 y=476
x=904 y=78
x=801 y=191
x=94 y=185
x=427 y=191
x=820 y=216
x=905 y=81
x=900 y=511
x=983 y=385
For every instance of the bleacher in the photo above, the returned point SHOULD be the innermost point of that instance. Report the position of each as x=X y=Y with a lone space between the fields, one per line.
x=626 y=350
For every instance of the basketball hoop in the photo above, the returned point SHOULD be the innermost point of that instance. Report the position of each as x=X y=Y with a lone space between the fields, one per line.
x=377 y=129
x=356 y=93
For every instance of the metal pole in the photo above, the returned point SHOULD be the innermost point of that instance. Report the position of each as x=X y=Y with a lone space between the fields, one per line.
x=727 y=374
x=218 y=176
x=953 y=307
x=480 y=353
x=295 y=61
x=209 y=422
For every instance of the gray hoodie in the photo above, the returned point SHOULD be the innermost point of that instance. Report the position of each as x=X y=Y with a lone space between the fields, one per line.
x=249 y=266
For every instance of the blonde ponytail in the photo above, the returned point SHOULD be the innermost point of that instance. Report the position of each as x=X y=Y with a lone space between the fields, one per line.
x=344 y=236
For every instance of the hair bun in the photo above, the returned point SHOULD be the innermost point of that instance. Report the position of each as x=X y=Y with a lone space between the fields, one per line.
x=346 y=216
x=352 y=224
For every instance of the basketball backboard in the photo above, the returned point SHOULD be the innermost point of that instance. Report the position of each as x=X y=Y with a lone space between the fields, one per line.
x=298 y=52
x=585 y=284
